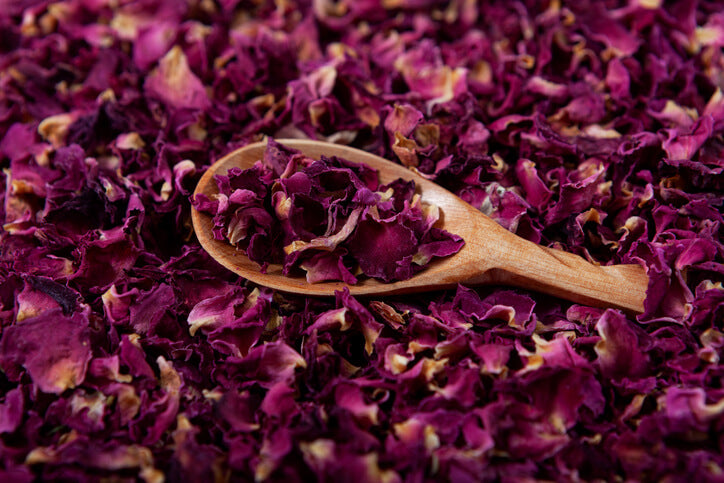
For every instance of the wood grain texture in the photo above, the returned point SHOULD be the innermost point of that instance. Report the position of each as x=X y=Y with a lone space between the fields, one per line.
x=491 y=253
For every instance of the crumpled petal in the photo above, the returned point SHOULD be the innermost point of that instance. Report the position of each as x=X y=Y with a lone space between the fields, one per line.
x=53 y=348
x=175 y=84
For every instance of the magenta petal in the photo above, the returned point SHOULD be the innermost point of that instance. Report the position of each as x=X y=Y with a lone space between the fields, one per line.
x=325 y=266
x=351 y=398
x=174 y=83
x=279 y=402
x=378 y=246
x=52 y=347
x=269 y=363
x=683 y=143
x=153 y=43
x=402 y=119
x=133 y=357
x=620 y=351
x=238 y=410
x=11 y=411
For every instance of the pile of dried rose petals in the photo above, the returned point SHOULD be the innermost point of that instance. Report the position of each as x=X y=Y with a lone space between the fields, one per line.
x=127 y=353
x=329 y=217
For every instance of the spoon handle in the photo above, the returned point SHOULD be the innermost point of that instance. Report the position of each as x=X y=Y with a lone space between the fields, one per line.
x=571 y=277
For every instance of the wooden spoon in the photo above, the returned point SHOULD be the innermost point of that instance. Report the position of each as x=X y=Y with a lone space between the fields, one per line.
x=491 y=255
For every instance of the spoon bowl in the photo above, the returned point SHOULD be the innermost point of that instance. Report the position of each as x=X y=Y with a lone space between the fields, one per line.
x=491 y=254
